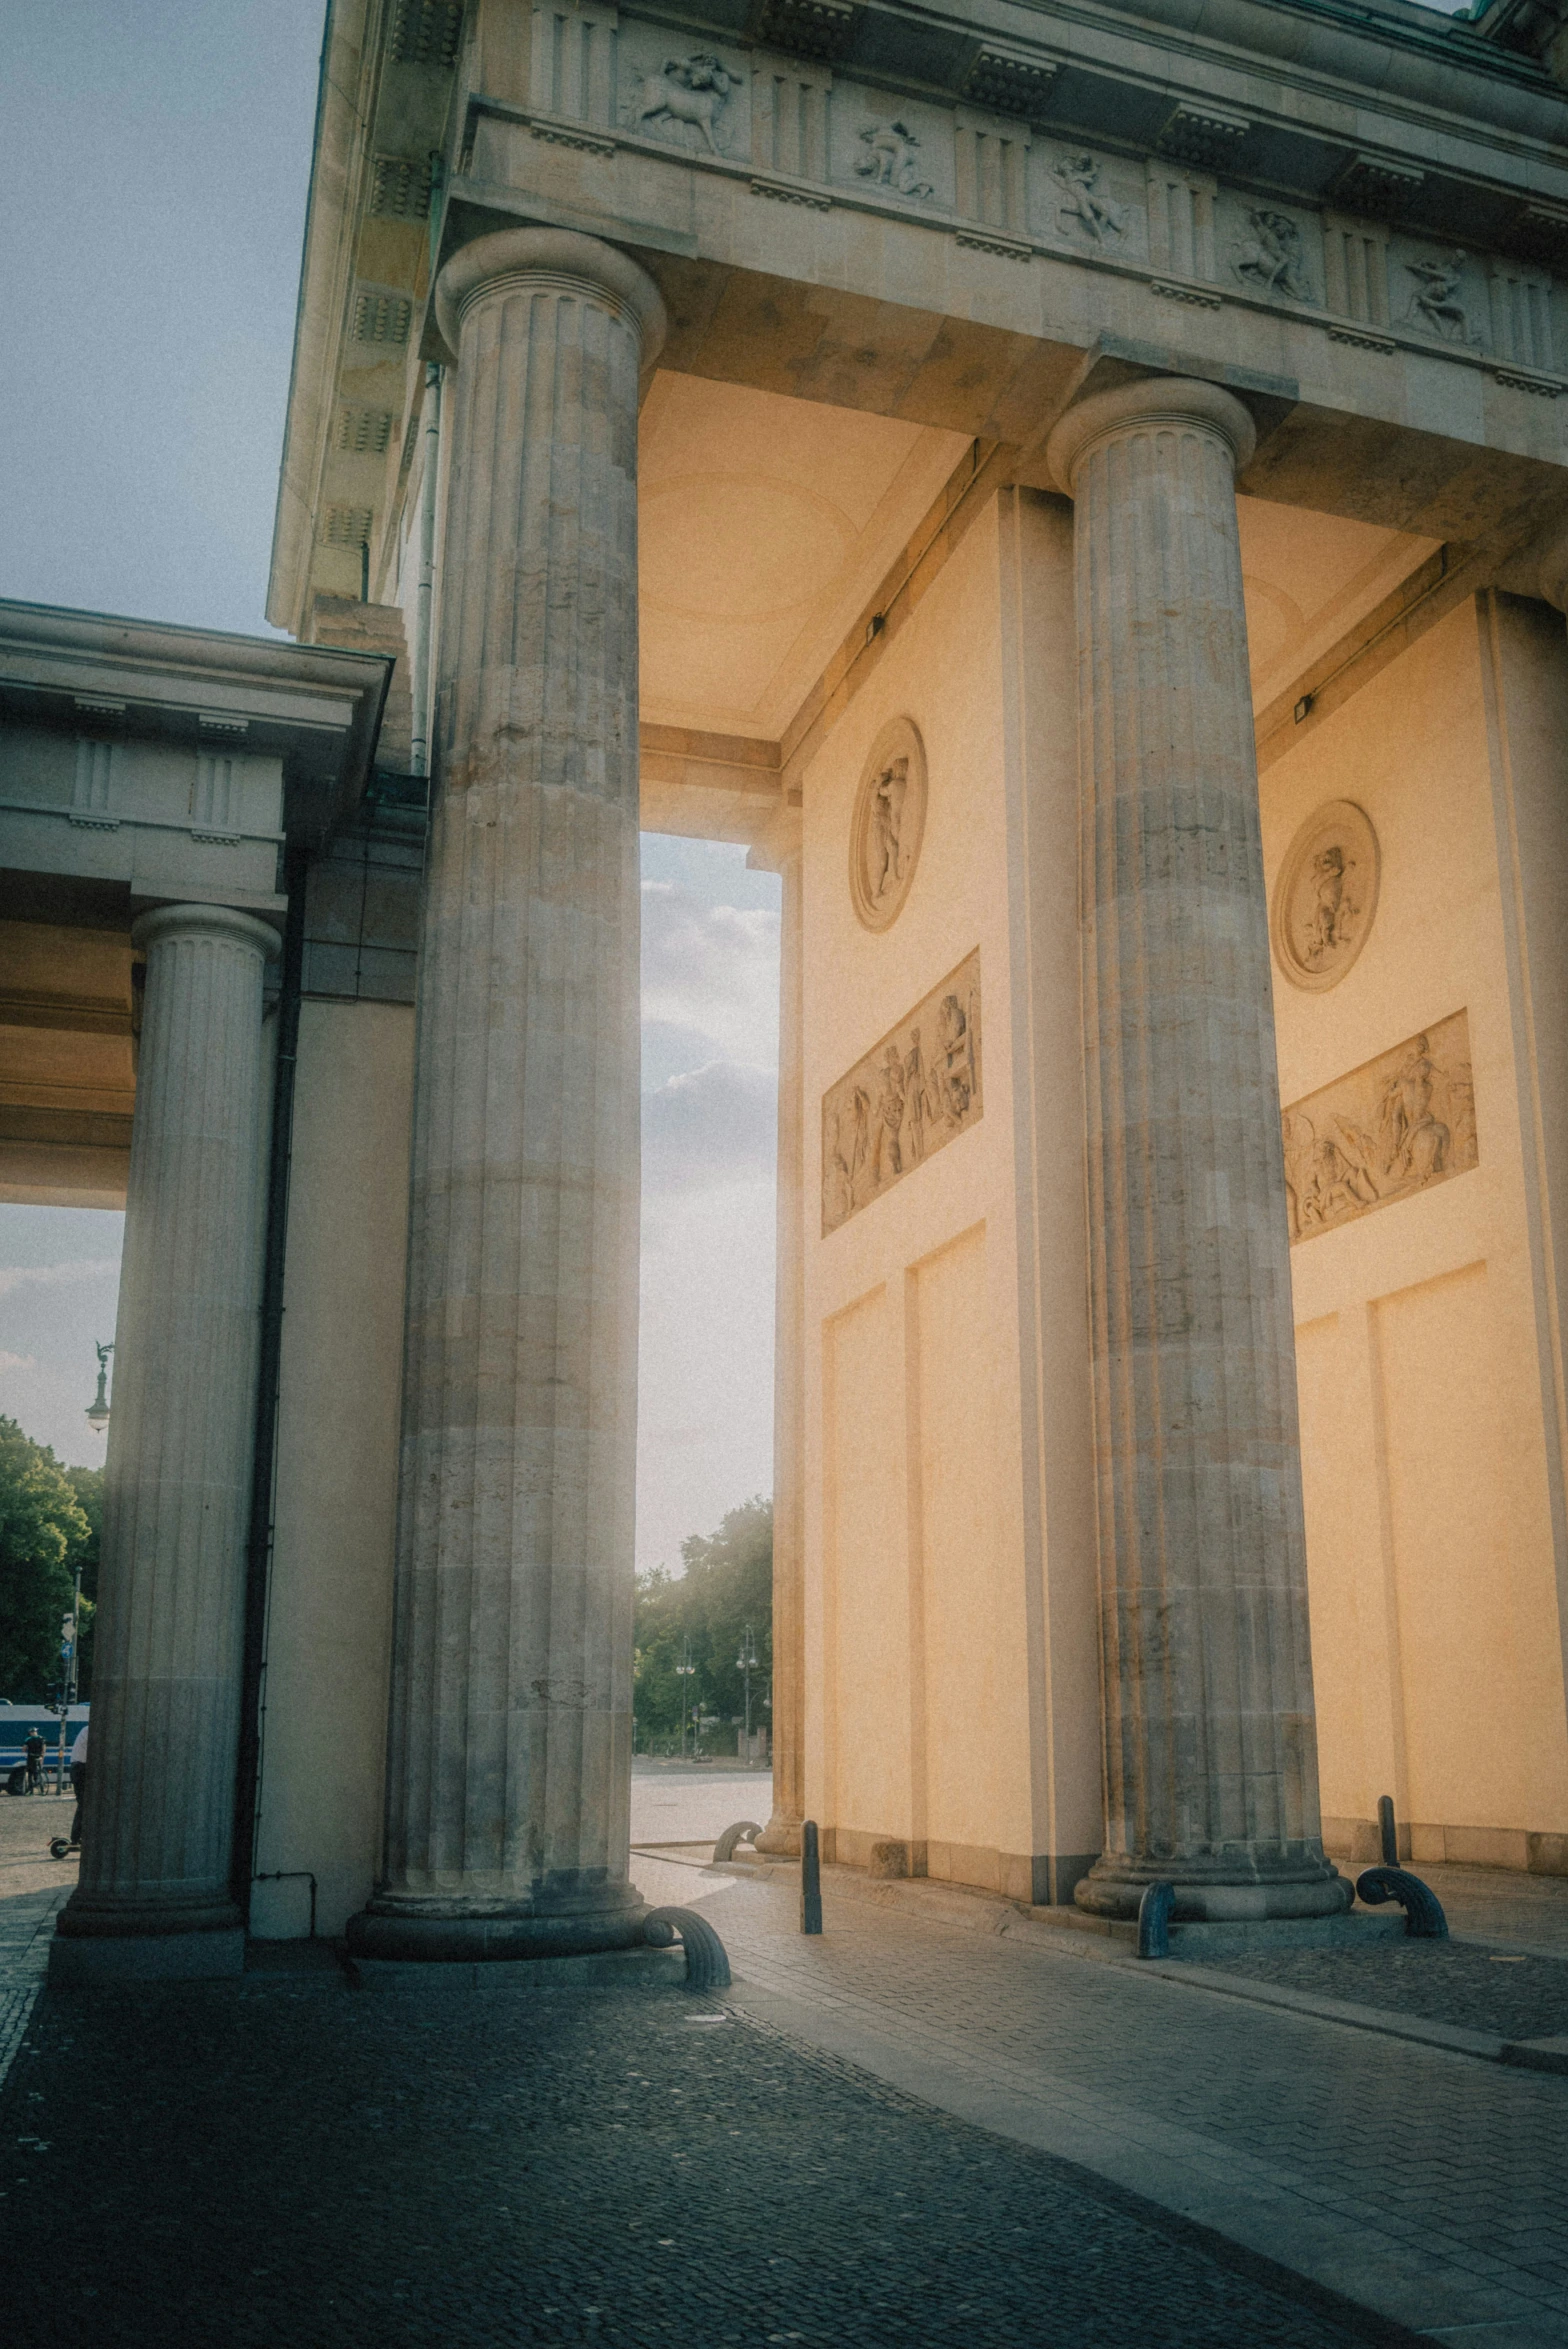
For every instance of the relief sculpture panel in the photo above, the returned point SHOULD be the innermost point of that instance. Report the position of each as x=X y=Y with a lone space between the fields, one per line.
x=913 y=1091
x=1394 y=1126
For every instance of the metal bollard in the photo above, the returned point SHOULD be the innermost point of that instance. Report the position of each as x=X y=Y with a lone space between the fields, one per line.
x=1388 y=1831
x=810 y=1879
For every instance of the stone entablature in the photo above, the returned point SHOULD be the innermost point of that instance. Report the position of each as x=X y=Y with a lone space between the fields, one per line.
x=1395 y=185
x=169 y=762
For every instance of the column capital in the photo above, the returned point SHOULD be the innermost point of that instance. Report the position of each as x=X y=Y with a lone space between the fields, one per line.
x=220 y=921
x=551 y=256
x=1159 y=399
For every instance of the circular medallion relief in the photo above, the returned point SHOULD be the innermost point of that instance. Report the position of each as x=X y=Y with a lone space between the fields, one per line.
x=889 y=818
x=1326 y=895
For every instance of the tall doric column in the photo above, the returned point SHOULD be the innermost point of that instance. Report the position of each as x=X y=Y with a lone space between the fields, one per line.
x=782 y=1833
x=154 y=1890
x=1210 y=1748
x=509 y=1745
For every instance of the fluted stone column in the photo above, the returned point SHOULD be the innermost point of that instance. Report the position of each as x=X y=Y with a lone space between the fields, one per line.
x=153 y=1896
x=1210 y=1749
x=782 y=1832
x=509 y=1745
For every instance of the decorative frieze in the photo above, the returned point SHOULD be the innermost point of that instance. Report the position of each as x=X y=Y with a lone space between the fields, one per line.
x=893 y=160
x=789 y=119
x=1085 y=207
x=1355 y=272
x=686 y=99
x=572 y=64
x=1438 y=304
x=1269 y=256
x=1520 y=302
x=92 y=805
x=990 y=162
x=1181 y=221
x=1396 y=1125
x=916 y=1090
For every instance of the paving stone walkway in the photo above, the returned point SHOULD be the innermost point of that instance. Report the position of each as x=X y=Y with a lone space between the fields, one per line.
x=1509 y=1993
x=923 y=2125
x=288 y=2160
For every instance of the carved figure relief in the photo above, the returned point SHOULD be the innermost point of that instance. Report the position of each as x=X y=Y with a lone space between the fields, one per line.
x=1392 y=1127
x=687 y=93
x=891 y=159
x=915 y=1090
x=1271 y=257
x=1435 y=305
x=887 y=825
x=1326 y=895
x=1083 y=199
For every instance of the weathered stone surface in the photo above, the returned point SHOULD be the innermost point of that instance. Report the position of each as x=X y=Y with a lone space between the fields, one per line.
x=510 y=1737
x=1210 y=1754
x=166 y=1678
x=781 y=1835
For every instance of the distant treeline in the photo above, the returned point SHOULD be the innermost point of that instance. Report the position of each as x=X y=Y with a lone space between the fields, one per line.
x=702 y=1616
x=50 y=1516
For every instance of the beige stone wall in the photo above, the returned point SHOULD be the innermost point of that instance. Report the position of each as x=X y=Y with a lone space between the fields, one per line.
x=933 y=1722
x=1429 y=1398
x=324 y=1734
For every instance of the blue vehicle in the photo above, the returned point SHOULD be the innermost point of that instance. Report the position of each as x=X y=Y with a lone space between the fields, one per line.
x=17 y=1723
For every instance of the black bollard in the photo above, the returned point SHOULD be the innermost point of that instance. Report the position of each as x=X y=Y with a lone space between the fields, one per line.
x=1388 y=1832
x=810 y=1879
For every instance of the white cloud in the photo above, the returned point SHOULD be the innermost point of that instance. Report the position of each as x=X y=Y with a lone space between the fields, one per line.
x=715 y=1124
x=17 y=1361
x=712 y=971
x=50 y=1276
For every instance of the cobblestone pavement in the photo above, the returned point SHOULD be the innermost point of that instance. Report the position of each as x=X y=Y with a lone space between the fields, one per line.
x=1508 y=1993
x=318 y=2136
x=1417 y=2181
x=288 y=2160
x=32 y=1887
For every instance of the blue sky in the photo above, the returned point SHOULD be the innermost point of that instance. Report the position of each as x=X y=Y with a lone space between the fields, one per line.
x=153 y=170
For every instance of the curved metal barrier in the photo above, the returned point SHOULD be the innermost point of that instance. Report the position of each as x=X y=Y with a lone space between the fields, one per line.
x=1154 y=1920
x=707 y=1961
x=744 y=1831
x=1424 y=1918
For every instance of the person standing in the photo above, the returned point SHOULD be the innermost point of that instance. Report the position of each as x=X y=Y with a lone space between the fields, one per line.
x=34 y=1750
x=78 y=1783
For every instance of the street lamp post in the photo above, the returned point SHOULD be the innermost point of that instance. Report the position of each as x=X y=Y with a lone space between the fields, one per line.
x=683 y=1672
x=746 y=1664
x=98 y=1408
x=71 y=1627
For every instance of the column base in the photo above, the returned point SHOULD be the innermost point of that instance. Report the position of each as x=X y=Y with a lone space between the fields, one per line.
x=146 y=1957
x=780 y=1839
x=1216 y=1891
x=440 y=1930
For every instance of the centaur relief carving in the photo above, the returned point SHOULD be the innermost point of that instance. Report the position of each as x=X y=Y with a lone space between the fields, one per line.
x=914 y=1091
x=1396 y=1125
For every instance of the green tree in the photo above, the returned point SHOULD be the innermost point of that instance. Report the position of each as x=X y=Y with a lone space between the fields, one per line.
x=726 y=1587
x=44 y=1529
